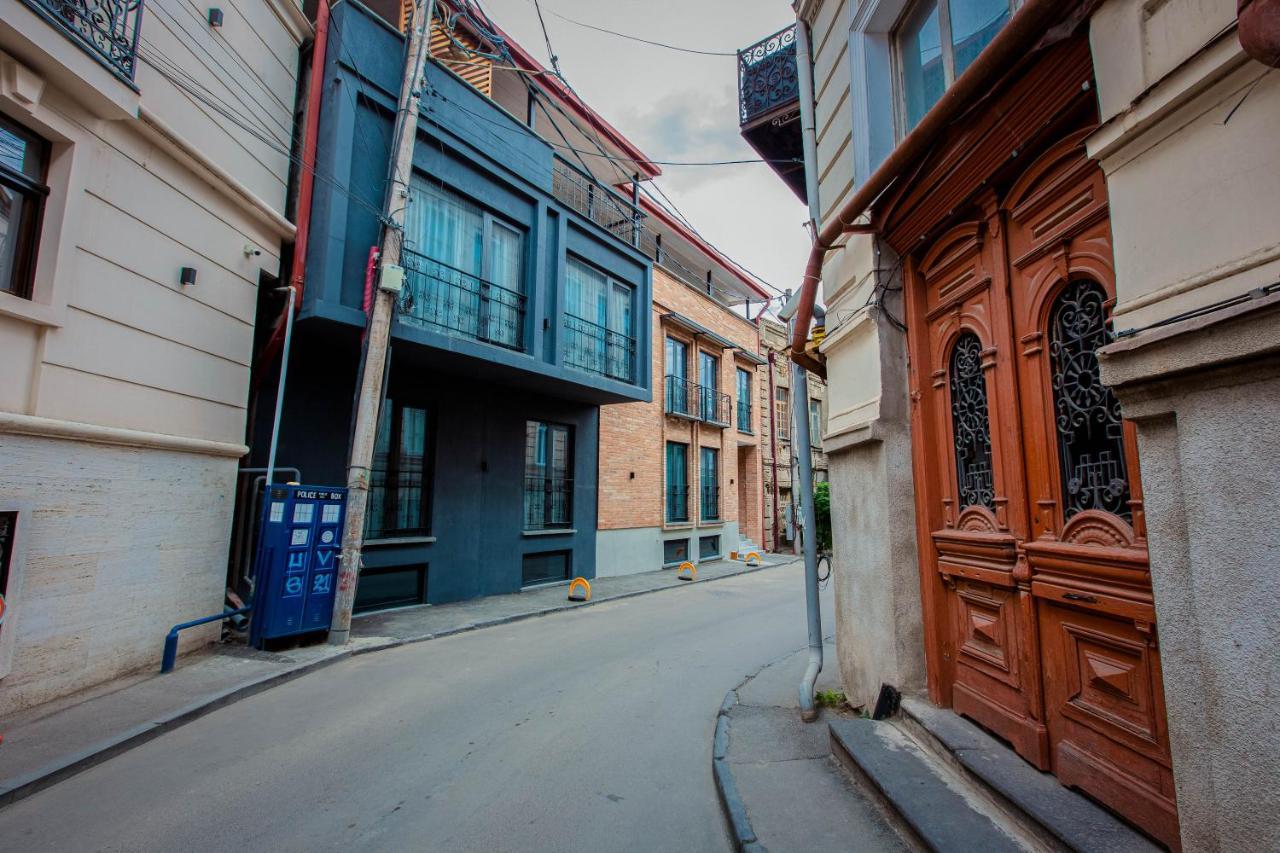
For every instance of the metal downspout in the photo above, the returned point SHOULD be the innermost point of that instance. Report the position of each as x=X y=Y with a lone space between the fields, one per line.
x=773 y=450
x=801 y=441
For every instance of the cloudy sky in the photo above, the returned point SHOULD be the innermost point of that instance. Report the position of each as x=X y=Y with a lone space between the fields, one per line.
x=680 y=106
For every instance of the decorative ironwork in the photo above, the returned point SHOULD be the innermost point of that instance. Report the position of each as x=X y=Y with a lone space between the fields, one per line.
x=442 y=297
x=767 y=75
x=712 y=407
x=106 y=28
x=971 y=424
x=677 y=503
x=591 y=347
x=548 y=502
x=1087 y=414
x=679 y=396
x=601 y=205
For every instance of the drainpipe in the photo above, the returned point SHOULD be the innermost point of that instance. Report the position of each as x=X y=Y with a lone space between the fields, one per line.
x=773 y=450
x=284 y=375
x=801 y=441
x=1013 y=43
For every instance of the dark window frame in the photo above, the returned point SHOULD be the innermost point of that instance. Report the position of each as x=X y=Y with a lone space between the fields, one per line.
x=709 y=495
x=566 y=553
x=549 y=479
x=34 y=193
x=396 y=407
x=670 y=488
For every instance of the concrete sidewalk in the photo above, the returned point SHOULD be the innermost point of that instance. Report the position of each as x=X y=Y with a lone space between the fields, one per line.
x=45 y=744
x=780 y=787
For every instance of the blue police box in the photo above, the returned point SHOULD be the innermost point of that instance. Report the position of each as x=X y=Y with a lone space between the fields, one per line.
x=299 y=548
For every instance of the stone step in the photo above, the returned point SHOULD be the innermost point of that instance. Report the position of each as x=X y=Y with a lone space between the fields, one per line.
x=931 y=808
x=1057 y=816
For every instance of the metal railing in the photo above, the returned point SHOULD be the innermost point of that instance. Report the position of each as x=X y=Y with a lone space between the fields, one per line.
x=579 y=191
x=714 y=408
x=688 y=399
x=591 y=347
x=548 y=502
x=767 y=75
x=107 y=29
x=679 y=397
x=744 y=416
x=460 y=304
x=710 y=503
x=677 y=503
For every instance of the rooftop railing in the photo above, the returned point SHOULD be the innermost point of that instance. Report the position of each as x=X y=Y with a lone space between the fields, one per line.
x=579 y=191
x=106 y=29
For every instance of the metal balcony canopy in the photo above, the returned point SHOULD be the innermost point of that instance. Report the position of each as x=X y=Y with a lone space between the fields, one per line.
x=699 y=331
x=748 y=355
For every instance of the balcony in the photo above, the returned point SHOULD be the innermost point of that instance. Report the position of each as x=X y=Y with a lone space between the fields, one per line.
x=591 y=347
x=685 y=399
x=769 y=105
x=105 y=29
x=578 y=191
x=449 y=300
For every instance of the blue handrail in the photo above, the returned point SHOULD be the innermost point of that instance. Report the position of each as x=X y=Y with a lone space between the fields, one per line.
x=171 y=640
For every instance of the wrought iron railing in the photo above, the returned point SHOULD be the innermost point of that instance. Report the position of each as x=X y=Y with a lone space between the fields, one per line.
x=767 y=76
x=710 y=503
x=677 y=503
x=446 y=298
x=688 y=399
x=591 y=347
x=744 y=416
x=601 y=205
x=548 y=502
x=714 y=408
x=107 y=29
x=680 y=396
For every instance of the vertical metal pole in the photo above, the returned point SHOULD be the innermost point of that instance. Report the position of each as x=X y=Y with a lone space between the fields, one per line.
x=800 y=384
x=284 y=373
x=379 y=342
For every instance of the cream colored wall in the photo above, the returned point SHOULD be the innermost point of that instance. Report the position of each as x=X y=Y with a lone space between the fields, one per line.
x=1194 y=195
x=832 y=114
x=123 y=411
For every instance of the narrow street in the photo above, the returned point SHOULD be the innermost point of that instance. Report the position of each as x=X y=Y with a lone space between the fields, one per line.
x=588 y=731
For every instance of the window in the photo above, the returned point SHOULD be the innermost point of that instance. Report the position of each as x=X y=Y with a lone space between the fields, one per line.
x=399 y=500
x=393 y=586
x=599 y=322
x=708 y=547
x=466 y=268
x=815 y=422
x=23 y=160
x=548 y=476
x=547 y=567
x=782 y=412
x=710 y=482
x=677 y=385
x=709 y=391
x=936 y=42
x=970 y=424
x=677 y=482
x=744 y=400
x=675 y=551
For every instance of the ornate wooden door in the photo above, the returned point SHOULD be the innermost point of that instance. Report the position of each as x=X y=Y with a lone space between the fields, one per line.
x=1028 y=492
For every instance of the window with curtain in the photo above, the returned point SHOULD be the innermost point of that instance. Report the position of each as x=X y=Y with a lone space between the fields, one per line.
x=599 y=322
x=710 y=480
x=677 y=482
x=709 y=379
x=548 y=476
x=23 y=160
x=399 y=494
x=466 y=267
x=744 y=400
x=936 y=42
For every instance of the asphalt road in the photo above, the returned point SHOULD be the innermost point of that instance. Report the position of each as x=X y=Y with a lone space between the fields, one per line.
x=584 y=731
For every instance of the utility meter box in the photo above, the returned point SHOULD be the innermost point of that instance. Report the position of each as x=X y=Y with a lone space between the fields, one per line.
x=296 y=573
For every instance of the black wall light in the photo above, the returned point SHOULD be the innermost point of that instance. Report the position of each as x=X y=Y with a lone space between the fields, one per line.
x=215 y=17
x=188 y=276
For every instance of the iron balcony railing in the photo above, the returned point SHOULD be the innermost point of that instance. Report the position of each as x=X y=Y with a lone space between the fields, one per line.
x=680 y=396
x=548 y=502
x=605 y=208
x=688 y=399
x=714 y=408
x=677 y=503
x=744 y=416
x=710 y=503
x=106 y=29
x=591 y=347
x=460 y=304
x=767 y=76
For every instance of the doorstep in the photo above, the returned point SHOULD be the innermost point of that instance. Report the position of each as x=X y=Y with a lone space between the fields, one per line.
x=952 y=787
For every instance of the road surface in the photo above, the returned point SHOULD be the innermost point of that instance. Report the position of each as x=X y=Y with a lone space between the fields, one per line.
x=584 y=731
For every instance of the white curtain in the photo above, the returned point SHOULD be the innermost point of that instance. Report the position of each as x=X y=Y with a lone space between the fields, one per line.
x=502 y=312
x=449 y=231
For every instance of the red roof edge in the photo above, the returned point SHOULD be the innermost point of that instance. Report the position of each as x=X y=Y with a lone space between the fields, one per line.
x=702 y=245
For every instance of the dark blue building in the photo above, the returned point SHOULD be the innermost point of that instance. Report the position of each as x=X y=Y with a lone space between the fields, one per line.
x=522 y=314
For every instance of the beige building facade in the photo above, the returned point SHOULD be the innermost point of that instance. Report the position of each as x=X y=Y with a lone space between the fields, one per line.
x=145 y=191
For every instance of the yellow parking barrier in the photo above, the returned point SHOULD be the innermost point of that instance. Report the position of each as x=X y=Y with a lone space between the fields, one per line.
x=688 y=572
x=580 y=590
x=753 y=556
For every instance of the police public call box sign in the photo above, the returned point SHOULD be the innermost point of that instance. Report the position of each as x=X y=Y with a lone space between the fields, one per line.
x=299 y=548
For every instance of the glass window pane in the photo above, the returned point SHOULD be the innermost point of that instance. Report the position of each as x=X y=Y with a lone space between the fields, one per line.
x=15 y=210
x=21 y=151
x=970 y=424
x=444 y=227
x=974 y=23
x=375 y=525
x=923 y=75
x=412 y=464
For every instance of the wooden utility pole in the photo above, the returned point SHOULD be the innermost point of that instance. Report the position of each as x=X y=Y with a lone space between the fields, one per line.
x=390 y=283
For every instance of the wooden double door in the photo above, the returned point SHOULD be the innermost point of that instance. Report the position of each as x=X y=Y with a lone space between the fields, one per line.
x=1039 y=613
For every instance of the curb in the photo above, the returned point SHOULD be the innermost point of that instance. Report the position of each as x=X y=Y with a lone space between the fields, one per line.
x=20 y=787
x=735 y=811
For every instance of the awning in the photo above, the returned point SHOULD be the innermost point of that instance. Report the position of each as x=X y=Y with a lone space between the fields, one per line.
x=747 y=355
x=699 y=331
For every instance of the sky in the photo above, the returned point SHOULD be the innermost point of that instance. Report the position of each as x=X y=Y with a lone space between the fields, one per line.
x=680 y=106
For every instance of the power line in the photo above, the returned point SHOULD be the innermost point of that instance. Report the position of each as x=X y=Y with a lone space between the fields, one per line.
x=640 y=39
